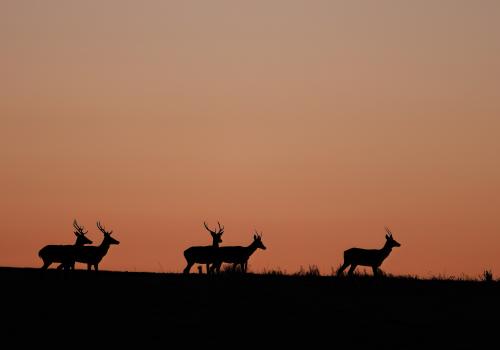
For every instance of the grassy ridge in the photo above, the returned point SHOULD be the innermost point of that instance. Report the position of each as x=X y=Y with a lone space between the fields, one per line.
x=232 y=310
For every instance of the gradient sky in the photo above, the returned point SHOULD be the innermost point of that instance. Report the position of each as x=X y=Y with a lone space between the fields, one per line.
x=316 y=122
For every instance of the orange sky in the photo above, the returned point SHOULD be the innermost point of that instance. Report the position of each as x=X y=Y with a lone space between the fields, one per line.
x=317 y=123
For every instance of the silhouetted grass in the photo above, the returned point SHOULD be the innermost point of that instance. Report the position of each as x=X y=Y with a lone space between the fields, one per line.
x=230 y=269
x=487 y=276
x=312 y=270
x=274 y=272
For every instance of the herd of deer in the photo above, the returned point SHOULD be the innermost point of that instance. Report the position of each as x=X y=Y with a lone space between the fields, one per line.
x=68 y=255
x=212 y=256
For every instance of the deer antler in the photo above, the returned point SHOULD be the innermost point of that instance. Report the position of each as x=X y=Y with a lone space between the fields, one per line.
x=221 y=228
x=388 y=231
x=78 y=228
x=209 y=230
x=102 y=229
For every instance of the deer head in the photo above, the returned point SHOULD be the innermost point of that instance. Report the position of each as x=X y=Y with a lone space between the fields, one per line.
x=217 y=234
x=391 y=242
x=107 y=235
x=81 y=239
x=257 y=240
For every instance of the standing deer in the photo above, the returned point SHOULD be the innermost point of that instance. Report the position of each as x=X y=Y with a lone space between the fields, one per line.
x=204 y=254
x=93 y=255
x=368 y=257
x=64 y=254
x=237 y=255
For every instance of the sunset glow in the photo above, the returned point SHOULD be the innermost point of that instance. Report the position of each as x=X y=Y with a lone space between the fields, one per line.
x=316 y=123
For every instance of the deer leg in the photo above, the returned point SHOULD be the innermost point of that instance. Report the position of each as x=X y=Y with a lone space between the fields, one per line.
x=71 y=265
x=375 y=271
x=89 y=267
x=64 y=266
x=188 y=267
x=342 y=268
x=46 y=265
x=65 y=269
x=216 y=267
x=96 y=267
x=351 y=270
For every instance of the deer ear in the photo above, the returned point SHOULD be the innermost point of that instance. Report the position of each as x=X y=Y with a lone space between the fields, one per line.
x=254 y=236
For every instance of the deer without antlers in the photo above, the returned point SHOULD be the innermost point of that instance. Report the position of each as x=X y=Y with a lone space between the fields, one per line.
x=64 y=254
x=204 y=254
x=237 y=255
x=93 y=255
x=368 y=257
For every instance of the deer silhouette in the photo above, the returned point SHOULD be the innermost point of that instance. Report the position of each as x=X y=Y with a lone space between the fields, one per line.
x=368 y=257
x=64 y=254
x=92 y=255
x=203 y=254
x=237 y=255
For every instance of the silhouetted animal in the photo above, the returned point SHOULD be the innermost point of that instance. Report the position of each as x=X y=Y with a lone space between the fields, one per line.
x=203 y=254
x=368 y=257
x=237 y=255
x=64 y=254
x=93 y=255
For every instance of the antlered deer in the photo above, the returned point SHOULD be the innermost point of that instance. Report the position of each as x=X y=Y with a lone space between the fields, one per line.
x=204 y=254
x=368 y=257
x=93 y=255
x=237 y=255
x=64 y=254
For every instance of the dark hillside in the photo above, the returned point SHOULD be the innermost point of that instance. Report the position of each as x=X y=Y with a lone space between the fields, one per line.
x=171 y=310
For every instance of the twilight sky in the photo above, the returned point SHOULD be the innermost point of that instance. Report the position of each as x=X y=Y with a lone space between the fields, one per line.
x=316 y=122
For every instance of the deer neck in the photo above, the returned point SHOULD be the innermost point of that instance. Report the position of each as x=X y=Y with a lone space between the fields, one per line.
x=104 y=247
x=386 y=250
x=251 y=248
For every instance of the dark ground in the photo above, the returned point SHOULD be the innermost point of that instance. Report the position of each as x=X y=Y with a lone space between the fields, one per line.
x=234 y=311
